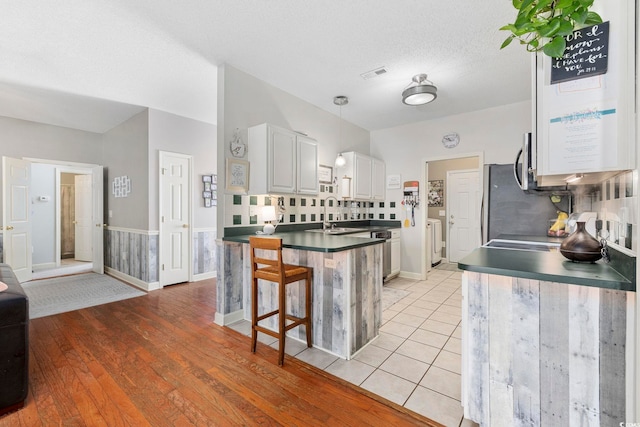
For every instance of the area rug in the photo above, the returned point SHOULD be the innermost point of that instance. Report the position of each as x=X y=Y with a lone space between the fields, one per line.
x=391 y=296
x=68 y=293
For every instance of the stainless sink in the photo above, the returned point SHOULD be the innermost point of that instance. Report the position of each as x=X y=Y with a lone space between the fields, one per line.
x=337 y=230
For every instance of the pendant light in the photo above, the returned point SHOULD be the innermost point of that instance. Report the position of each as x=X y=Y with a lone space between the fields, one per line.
x=340 y=100
x=420 y=92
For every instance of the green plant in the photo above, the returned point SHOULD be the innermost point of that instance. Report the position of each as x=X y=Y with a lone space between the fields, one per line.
x=543 y=24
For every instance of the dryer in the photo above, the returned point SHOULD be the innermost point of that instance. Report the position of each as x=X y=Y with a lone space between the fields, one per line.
x=435 y=245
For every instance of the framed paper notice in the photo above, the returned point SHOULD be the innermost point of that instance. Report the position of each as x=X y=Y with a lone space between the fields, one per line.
x=237 y=175
x=393 y=181
x=325 y=174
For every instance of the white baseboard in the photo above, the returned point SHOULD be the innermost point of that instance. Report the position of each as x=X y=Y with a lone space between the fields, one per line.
x=204 y=276
x=132 y=280
x=227 y=319
x=410 y=275
x=44 y=266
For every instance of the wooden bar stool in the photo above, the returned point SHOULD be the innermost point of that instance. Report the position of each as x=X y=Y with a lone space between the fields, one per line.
x=274 y=270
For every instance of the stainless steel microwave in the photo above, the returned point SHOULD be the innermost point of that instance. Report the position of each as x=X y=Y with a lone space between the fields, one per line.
x=524 y=169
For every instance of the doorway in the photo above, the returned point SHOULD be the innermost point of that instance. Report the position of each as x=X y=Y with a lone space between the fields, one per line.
x=437 y=201
x=463 y=213
x=175 y=218
x=49 y=225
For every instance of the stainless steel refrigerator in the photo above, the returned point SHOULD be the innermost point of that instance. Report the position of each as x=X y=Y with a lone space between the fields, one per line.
x=508 y=210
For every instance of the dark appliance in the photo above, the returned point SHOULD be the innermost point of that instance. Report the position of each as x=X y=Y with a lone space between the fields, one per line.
x=386 y=251
x=524 y=168
x=508 y=210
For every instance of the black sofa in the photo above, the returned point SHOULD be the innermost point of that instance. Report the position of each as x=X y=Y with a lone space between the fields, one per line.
x=14 y=343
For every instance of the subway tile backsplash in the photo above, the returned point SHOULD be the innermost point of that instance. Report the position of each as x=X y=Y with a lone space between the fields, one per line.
x=247 y=210
x=614 y=200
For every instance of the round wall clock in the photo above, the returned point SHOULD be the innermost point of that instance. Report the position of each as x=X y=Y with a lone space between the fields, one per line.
x=451 y=140
x=237 y=147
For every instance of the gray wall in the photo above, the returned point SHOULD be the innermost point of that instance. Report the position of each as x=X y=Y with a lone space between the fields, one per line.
x=245 y=101
x=124 y=152
x=21 y=138
x=168 y=132
x=496 y=132
x=43 y=180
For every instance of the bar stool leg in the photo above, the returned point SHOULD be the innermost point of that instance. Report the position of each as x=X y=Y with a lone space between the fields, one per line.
x=282 y=314
x=308 y=307
x=254 y=314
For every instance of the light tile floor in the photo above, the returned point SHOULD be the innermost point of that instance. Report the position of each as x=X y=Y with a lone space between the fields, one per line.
x=415 y=362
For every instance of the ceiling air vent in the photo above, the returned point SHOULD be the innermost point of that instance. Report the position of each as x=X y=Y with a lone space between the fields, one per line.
x=374 y=73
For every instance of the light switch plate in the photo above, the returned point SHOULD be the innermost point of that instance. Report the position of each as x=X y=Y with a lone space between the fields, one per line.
x=442 y=213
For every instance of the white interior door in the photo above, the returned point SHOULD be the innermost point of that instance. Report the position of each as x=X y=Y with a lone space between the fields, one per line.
x=463 y=213
x=97 y=185
x=83 y=223
x=175 y=228
x=16 y=216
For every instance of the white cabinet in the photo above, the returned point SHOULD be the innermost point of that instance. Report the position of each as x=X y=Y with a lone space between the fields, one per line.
x=367 y=176
x=587 y=125
x=395 y=252
x=377 y=179
x=282 y=161
x=361 y=177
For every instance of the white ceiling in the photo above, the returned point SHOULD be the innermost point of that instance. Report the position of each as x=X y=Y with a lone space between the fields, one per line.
x=90 y=64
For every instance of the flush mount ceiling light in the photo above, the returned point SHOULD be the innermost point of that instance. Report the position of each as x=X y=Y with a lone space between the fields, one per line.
x=340 y=100
x=420 y=92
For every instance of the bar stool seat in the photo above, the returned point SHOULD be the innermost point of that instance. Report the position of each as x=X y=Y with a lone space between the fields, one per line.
x=272 y=269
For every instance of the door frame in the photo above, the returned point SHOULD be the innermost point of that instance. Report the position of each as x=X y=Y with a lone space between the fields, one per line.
x=86 y=169
x=190 y=228
x=60 y=170
x=424 y=196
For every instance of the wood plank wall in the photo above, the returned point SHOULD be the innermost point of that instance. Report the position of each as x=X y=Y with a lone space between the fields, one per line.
x=346 y=301
x=544 y=353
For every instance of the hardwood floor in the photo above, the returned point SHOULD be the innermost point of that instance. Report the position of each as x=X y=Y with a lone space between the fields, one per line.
x=159 y=360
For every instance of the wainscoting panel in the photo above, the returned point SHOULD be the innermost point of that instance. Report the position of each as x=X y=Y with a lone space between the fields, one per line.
x=204 y=251
x=132 y=252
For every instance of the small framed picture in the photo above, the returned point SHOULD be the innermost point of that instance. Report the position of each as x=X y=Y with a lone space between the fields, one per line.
x=207 y=186
x=206 y=178
x=325 y=174
x=214 y=186
x=206 y=194
x=207 y=203
x=237 y=176
x=214 y=178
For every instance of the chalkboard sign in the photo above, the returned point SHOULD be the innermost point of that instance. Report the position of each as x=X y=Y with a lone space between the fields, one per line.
x=586 y=54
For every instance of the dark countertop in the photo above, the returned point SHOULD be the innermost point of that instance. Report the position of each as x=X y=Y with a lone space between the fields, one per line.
x=316 y=242
x=547 y=266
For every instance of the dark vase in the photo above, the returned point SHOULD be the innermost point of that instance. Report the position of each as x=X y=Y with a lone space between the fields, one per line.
x=581 y=246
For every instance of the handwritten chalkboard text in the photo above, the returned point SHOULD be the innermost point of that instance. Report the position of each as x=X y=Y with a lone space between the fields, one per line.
x=585 y=56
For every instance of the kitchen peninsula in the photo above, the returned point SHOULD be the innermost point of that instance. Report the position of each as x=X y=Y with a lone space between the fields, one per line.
x=347 y=287
x=547 y=341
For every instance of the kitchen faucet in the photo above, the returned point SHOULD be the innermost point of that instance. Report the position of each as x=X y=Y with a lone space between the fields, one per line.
x=325 y=221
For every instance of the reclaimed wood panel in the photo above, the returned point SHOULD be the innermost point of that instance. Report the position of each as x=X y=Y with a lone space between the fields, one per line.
x=612 y=348
x=478 y=347
x=554 y=354
x=500 y=362
x=557 y=353
x=583 y=355
x=526 y=342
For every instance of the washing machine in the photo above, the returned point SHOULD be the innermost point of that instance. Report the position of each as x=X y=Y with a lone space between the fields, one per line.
x=435 y=245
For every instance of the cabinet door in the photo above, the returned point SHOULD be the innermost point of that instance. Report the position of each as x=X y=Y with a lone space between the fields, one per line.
x=395 y=256
x=362 y=177
x=377 y=179
x=307 y=166
x=281 y=161
x=587 y=125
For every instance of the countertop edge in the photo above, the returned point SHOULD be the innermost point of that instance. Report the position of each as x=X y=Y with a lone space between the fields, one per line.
x=531 y=265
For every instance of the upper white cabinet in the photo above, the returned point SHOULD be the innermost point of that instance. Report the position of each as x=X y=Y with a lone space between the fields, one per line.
x=377 y=179
x=586 y=125
x=366 y=177
x=282 y=161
